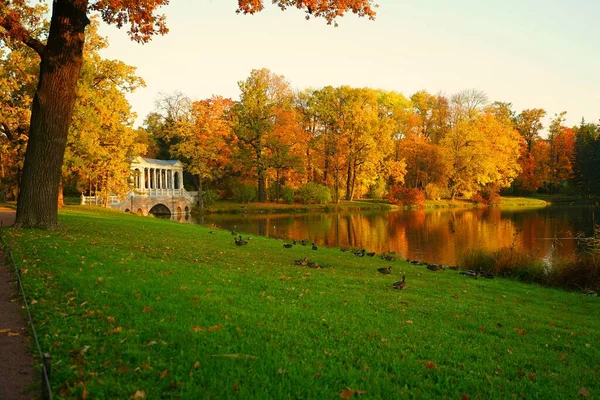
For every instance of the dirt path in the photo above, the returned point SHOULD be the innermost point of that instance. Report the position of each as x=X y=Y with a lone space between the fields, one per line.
x=17 y=375
x=7 y=218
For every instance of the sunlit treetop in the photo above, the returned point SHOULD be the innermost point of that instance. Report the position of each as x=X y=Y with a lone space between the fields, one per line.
x=328 y=9
x=20 y=18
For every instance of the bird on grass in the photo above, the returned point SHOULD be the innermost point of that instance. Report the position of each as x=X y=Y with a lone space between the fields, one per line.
x=302 y=262
x=233 y=233
x=385 y=270
x=400 y=284
x=371 y=254
x=313 y=264
x=240 y=241
x=470 y=273
x=314 y=247
x=212 y=232
x=360 y=253
x=433 y=267
x=288 y=245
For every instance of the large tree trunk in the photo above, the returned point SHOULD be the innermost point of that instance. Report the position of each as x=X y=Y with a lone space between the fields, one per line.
x=51 y=116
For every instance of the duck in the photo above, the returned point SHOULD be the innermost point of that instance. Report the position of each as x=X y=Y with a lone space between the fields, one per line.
x=233 y=233
x=314 y=247
x=302 y=262
x=294 y=242
x=212 y=232
x=360 y=253
x=313 y=264
x=470 y=273
x=240 y=241
x=433 y=267
x=345 y=249
x=400 y=284
x=385 y=270
x=371 y=254
x=304 y=242
x=288 y=245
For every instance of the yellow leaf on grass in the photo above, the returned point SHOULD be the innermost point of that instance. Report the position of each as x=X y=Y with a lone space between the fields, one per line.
x=164 y=374
x=139 y=394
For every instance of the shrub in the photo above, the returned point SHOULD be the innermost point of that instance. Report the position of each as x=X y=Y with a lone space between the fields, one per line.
x=287 y=195
x=488 y=196
x=377 y=190
x=406 y=197
x=210 y=197
x=311 y=193
x=244 y=193
x=434 y=192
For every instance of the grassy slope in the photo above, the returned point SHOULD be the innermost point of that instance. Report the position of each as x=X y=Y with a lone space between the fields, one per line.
x=172 y=310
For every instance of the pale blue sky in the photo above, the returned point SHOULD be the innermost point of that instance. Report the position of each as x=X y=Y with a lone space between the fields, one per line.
x=533 y=53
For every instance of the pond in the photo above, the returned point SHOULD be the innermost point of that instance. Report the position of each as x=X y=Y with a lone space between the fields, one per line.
x=435 y=236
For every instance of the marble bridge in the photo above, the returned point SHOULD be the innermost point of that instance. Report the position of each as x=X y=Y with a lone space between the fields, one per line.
x=157 y=189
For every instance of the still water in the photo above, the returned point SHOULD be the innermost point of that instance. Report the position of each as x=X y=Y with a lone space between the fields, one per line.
x=435 y=236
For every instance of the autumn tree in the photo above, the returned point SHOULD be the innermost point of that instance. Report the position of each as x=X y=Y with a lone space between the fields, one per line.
x=61 y=57
x=481 y=151
x=561 y=141
x=203 y=141
x=264 y=98
x=101 y=138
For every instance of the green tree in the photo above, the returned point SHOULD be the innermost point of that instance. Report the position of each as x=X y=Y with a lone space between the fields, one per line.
x=263 y=96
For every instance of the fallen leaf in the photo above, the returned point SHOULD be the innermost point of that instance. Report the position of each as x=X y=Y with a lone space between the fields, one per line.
x=118 y=329
x=215 y=328
x=455 y=296
x=235 y=386
x=111 y=320
x=430 y=365
x=197 y=364
x=139 y=394
x=583 y=392
x=532 y=377
x=6 y=330
x=13 y=334
x=84 y=394
x=409 y=322
x=164 y=374
x=145 y=366
x=147 y=309
x=464 y=396
x=521 y=374
x=520 y=331
x=349 y=393
x=482 y=329
x=196 y=328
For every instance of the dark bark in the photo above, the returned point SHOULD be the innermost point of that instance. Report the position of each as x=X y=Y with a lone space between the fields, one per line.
x=51 y=114
x=200 y=193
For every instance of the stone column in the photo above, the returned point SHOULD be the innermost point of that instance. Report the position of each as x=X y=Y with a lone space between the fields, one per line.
x=181 y=180
x=143 y=179
x=154 y=178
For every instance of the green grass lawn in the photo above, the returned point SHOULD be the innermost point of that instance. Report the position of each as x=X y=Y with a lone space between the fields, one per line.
x=129 y=304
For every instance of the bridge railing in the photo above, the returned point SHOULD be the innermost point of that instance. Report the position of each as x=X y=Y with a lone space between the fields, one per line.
x=116 y=200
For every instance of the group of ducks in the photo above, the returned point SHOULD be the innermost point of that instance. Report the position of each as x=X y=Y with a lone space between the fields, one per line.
x=389 y=256
x=303 y=242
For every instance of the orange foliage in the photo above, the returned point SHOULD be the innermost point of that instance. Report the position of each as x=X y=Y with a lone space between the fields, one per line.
x=328 y=9
x=406 y=197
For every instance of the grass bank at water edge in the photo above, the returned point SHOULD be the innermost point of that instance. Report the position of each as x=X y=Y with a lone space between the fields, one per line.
x=131 y=306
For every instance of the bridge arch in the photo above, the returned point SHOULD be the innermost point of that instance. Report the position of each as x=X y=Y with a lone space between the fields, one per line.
x=160 y=209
